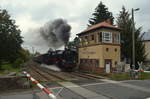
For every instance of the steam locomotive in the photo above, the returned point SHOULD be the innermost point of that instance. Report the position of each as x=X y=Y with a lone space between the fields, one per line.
x=65 y=59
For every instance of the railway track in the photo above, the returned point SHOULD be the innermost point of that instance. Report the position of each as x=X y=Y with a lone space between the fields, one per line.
x=81 y=75
x=38 y=75
x=46 y=74
x=86 y=75
x=50 y=75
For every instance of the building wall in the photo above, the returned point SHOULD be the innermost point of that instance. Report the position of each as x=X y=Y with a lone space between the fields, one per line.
x=85 y=42
x=93 y=52
x=100 y=53
x=113 y=53
x=147 y=49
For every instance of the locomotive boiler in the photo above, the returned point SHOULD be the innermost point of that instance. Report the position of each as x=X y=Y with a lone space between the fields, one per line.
x=65 y=59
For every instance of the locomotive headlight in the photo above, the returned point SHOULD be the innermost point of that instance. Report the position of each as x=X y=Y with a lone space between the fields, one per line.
x=63 y=60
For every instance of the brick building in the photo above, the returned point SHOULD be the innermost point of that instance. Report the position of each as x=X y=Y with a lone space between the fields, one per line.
x=99 y=49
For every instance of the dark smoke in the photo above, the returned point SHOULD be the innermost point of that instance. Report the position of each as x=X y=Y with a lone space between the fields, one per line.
x=56 y=33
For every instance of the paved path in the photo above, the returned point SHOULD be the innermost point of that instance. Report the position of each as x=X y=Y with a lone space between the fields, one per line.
x=87 y=94
x=136 y=87
x=90 y=89
x=20 y=96
x=121 y=90
x=28 y=95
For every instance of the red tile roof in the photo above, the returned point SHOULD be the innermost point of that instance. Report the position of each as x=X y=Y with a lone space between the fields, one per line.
x=100 y=25
x=146 y=40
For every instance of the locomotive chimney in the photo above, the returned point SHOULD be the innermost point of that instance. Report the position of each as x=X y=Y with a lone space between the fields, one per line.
x=65 y=45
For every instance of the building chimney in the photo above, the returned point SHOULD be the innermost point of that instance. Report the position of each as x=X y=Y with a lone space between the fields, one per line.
x=109 y=21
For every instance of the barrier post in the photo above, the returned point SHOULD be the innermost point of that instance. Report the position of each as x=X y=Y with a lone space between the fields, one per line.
x=45 y=90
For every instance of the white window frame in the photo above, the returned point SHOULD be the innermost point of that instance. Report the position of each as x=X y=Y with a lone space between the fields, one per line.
x=106 y=39
x=100 y=37
x=117 y=38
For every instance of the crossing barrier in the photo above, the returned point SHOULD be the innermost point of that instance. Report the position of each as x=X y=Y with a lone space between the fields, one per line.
x=45 y=90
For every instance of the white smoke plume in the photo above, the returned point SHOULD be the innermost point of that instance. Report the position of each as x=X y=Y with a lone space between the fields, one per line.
x=51 y=67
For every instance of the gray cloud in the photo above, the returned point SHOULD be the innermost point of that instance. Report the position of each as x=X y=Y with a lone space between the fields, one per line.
x=31 y=14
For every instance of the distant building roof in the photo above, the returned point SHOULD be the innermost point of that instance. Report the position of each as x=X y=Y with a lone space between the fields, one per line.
x=146 y=40
x=146 y=36
x=104 y=24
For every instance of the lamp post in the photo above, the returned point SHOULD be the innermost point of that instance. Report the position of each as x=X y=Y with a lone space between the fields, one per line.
x=133 y=38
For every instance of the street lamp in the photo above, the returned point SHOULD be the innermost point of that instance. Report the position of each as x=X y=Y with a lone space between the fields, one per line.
x=133 y=38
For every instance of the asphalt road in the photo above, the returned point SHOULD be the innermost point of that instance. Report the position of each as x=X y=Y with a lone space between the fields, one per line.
x=116 y=91
x=132 y=89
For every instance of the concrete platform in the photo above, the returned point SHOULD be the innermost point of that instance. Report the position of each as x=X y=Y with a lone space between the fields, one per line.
x=87 y=94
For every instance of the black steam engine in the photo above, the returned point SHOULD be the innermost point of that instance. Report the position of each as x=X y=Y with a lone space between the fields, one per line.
x=64 y=59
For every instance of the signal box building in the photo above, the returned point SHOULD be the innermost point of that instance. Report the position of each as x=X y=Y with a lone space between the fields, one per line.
x=147 y=51
x=99 y=49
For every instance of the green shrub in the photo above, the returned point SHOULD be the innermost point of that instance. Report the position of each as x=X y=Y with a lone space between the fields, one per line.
x=18 y=63
x=6 y=66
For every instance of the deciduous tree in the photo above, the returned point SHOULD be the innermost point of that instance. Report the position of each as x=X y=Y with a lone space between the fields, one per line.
x=10 y=39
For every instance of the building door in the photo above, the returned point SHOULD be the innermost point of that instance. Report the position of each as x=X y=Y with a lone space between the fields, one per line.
x=108 y=65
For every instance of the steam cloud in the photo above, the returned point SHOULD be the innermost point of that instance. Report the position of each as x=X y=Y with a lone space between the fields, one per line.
x=56 y=33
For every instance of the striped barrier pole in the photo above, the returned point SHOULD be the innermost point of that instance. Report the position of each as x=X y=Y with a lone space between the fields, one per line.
x=45 y=90
x=142 y=71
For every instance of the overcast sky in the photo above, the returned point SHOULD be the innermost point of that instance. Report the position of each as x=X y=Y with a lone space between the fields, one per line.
x=32 y=14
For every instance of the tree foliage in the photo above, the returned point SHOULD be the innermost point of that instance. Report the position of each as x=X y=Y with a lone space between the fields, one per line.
x=36 y=53
x=73 y=44
x=10 y=39
x=124 y=21
x=100 y=14
x=25 y=55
